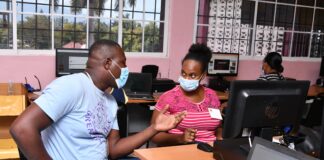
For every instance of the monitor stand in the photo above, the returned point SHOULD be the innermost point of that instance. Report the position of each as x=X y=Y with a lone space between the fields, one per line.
x=265 y=133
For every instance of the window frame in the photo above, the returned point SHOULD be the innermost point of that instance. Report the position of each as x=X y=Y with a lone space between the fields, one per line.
x=253 y=55
x=16 y=51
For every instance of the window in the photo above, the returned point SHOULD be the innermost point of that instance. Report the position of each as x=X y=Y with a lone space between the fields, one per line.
x=139 y=26
x=6 y=24
x=33 y=24
x=291 y=27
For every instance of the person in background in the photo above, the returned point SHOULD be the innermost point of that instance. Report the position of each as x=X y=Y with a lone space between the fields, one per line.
x=272 y=67
x=75 y=118
x=191 y=96
x=119 y=95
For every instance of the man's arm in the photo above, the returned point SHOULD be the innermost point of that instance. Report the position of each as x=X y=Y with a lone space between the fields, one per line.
x=26 y=131
x=120 y=147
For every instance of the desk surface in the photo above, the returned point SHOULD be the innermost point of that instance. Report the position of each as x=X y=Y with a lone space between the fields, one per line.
x=227 y=149
x=183 y=152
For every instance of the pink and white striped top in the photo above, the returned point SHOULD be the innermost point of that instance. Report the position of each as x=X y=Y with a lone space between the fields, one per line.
x=197 y=117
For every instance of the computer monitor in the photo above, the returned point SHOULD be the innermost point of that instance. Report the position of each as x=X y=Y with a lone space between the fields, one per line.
x=69 y=61
x=265 y=150
x=223 y=64
x=138 y=83
x=263 y=104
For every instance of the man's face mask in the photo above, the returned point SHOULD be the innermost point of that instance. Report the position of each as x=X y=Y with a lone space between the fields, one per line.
x=189 y=84
x=121 y=81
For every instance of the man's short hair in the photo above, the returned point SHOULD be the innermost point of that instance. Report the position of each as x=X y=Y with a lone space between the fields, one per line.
x=100 y=43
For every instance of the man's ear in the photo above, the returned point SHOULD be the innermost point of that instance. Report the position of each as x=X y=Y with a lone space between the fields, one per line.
x=107 y=63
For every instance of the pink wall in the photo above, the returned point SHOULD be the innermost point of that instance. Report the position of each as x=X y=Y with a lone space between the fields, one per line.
x=181 y=27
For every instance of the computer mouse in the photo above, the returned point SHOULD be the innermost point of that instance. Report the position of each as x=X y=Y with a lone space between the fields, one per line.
x=205 y=147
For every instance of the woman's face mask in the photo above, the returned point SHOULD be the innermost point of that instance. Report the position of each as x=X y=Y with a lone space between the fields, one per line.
x=121 y=81
x=189 y=84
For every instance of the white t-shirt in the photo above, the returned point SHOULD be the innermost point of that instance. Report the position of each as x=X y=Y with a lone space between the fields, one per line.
x=82 y=118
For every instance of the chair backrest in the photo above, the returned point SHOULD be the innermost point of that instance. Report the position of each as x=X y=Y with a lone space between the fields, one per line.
x=314 y=116
x=153 y=69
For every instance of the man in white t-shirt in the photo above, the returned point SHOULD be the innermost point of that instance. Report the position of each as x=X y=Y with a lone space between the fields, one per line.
x=75 y=119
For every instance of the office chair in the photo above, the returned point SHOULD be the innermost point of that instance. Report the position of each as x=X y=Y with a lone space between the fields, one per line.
x=310 y=127
x=153 y=69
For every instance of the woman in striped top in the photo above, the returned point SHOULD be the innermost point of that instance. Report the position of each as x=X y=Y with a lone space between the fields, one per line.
x=195 y=99
x=272 y=67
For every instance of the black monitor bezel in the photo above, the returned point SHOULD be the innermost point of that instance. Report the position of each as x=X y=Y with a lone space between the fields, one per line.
x=321 y=74
x=225 y=74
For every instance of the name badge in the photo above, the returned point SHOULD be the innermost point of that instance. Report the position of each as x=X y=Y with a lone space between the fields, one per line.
x=215 y=113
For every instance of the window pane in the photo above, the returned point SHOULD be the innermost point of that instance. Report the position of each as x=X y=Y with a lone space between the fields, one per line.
x=303 y=20
x=5 y=5
x=287 y=1
x=300 y=45
x=27 y=37
x=29 y=7
x=34 y=31
x=71 y=7
x=43 y=39
x=247 y=15
x=306 y=2
x=43 y=8
x=72 y=34
x=28 y=21
x=102 y=29
x=284 y=16
x=44 y=1
x=153 y=37
x=271 y=39
x=102 y=8
x=132 y=36
x=318 y=22
x=320 y=3
x=133 y=10
x=317 y=49
x=265 y=14
x=5 y=31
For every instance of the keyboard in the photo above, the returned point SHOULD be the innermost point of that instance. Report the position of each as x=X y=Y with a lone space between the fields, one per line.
x=140 y=96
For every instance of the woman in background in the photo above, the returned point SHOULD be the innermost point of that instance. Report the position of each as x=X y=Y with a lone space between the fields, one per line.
x=272 y=67
x=191 y=96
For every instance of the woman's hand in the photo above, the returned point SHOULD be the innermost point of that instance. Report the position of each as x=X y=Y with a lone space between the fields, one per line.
x=166 y=122
x=189 y=135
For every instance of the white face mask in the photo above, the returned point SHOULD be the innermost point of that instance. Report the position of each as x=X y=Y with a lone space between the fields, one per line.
x=121 y=81
x=188 y=84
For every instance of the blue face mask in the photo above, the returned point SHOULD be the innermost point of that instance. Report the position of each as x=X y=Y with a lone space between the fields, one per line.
x=121 y=81
x=188 y=84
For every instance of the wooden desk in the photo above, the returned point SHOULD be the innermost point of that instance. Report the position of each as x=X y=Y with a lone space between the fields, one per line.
x=183 y=152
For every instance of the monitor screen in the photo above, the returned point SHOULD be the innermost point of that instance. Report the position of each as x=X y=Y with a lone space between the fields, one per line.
x=223 y=64
x=263 y=104
x=139 y=83
x=69 y=61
